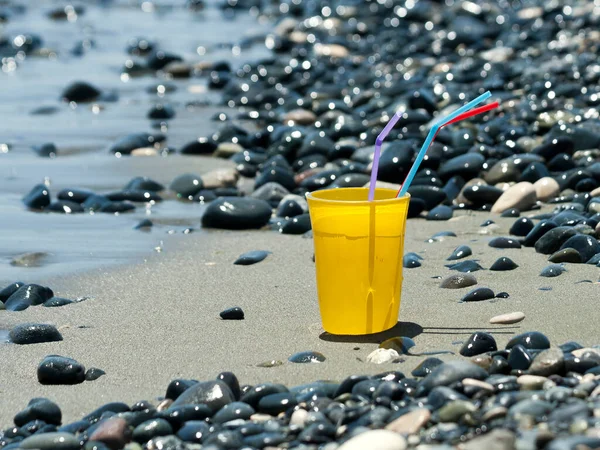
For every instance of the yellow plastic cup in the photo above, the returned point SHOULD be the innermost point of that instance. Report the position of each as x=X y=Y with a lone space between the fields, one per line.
x=359 y=247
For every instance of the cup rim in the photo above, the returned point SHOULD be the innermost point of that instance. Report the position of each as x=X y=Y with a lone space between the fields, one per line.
x=315 y=197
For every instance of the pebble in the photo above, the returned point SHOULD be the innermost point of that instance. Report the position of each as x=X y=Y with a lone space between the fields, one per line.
x=478 y=343
x=509 y=318
x=553 y=270
x=411 y=261
x=410 y=423
x=296 y=225
x=478 y=294
x=375 y=439
x=503 y=263
x=38 y=198
x=236 y=213
x=425 y=367
x=568 y=255
x=460 y=252
x=252 y=257
x=214 y=394
x=114 y=432
x=26 y=296
x=530 y=340
x=80 y=92
x=546 y=188
x=60 y=370
x=34 y=333
x=383 y=356
x=458 y=281
x=235 y=313
x=521 y=227
x=51 y=441
x=151 y=429
x=465 y=266
x=307 y=357
x=33 y=259
x=521 y=196
x=93 y=374
x=504 y=242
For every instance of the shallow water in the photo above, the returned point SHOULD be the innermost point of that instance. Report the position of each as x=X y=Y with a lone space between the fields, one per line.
x=82 y=133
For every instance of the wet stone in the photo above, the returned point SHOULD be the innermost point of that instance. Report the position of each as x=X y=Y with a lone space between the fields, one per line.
x=38 y=197
x=440 y=212
x=519 y=358
x=553 y=270
x=503 y=263
x=51 y=441
x=307 y=357
x=235 y=313
x=151 y=429
x=548 y=362
x=60 y=370
x=458 y=281
x=193 y=431
x=587 y=246
x=460 y=252
x=80 y=91
x=504 y=242
x=233 y=411
x=538 y=231
x=28 y=295
x=426 y=366
x=34 y=333
x=411 y=261
x=57 y=301
x=161 y=111
x=39 y=409
x=478 y=343
x=449 y=373
x=554 y=239
x=251 y=257
x=465 y=266
x=47 y=150
x=530 y=340
x=274 y=404
x=214 y=394
x=289 y=208
x=93 y=374
x=297 y=225
x=509 y=318
x=236 y=213
x=144 y=225
x=521 y=227
x=74 y=195
x=478 y=294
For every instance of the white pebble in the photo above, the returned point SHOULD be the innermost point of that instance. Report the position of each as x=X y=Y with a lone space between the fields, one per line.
x=505 y=319
x=383 y=356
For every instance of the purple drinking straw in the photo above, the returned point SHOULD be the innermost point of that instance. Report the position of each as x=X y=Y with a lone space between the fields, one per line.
x=384 y=133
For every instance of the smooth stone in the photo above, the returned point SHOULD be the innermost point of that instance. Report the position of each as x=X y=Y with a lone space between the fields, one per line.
x=161 y=111
x=151 y=429
x=39 y=409
x=383 y=356
x=57 y=301
x=252 y=257
x=521 y=227
x=375 y=440
x=521 y=196
x=220 y=178
x=227 y=150
x=499 y=365
x=531 y=382
x=401 y=344
x=80 y=91
x=289 y=208
x=411 y=261
x=546 y=188
x=431 y=195
x=299 y=116
x=503 y=263
x=553 y=270
x=276 y=174
x=93 y=373
x=235 y=313
x=553 y=240
x=587 y=246
x=28 y=295
x=460 y=252
x=509 y=318
x=411 y=422
x=530 y=340
x=233 y=411
x=449 y=373
x=194 y=431
x=458 y=281
x=143 y=184
x=74 y=195
x=201 y=146
x=478 y=294
x=548 y=362
x=116 y=207
x=47 y=150
x=60 y=370
x=64 y=207
x=297 y=225
x=481 y=194
x=33 y=259
x=519 y=358
x=137 y=195
x=9 y=290
x=498 y=439
x=113 y=431
x=534 y=408
x=34 y=333
x=51 y=441
x=425 y=367
x=187 y=185
x=236 y=213
x=214 y=394
x=272 y=193
x=538 y=231
x=479 y=342
x=252 y=395
x=274 y=404
x=568 y=255
x=465 y=266
x=440 y=212
x=504 y=242
x=466 y=166
x=307 y=357
x=455 y=410
x=144 y=224
x=232 y=381
x=38 y=197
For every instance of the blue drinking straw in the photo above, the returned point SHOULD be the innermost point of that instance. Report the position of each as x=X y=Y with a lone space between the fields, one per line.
x=434 y=129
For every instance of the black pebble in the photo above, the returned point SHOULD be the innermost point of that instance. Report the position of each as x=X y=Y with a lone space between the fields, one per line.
x=60 y=370
x=519 y=358
x=503 y=263
x=80 y=91
x=530 y=340
x=307 y=357
x=478 y=294
x=465 y=266
x=411 y=261
x=521 y=227
x=34 y=333
x=251 y=257
x=460 y=252
x=504 y=242
x=39 y=409
x=440 y=212
x=10 y=290
x=47 y=150
x=38 y=197
x=289 y=208
x=144 y=225
x=512 y=212
x=502 y=295
x=551 y=271
x=232 y=381
x=296 y=225
x=93 y=374
x=478 y=343
x=487 y=223
x=567 y=255
x=234 y=313
x=425 y=367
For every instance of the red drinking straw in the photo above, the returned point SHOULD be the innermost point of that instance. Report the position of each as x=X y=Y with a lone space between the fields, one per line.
x=463 y=116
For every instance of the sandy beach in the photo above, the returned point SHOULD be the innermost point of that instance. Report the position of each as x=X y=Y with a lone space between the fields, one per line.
x=149 y=323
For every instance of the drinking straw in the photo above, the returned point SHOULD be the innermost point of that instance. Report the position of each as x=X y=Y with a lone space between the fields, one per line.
x=463 y=116
x=431 y=135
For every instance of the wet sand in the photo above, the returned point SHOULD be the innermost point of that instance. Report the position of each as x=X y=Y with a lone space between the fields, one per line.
x=152 y=322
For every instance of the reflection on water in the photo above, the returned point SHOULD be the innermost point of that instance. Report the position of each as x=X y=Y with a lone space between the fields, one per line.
x=83 y=132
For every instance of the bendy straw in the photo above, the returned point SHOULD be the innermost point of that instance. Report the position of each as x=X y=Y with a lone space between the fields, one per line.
x=431 y=135
x=463 y=116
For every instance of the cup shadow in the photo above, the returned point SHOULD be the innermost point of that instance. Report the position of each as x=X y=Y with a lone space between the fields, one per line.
x=407 y=329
